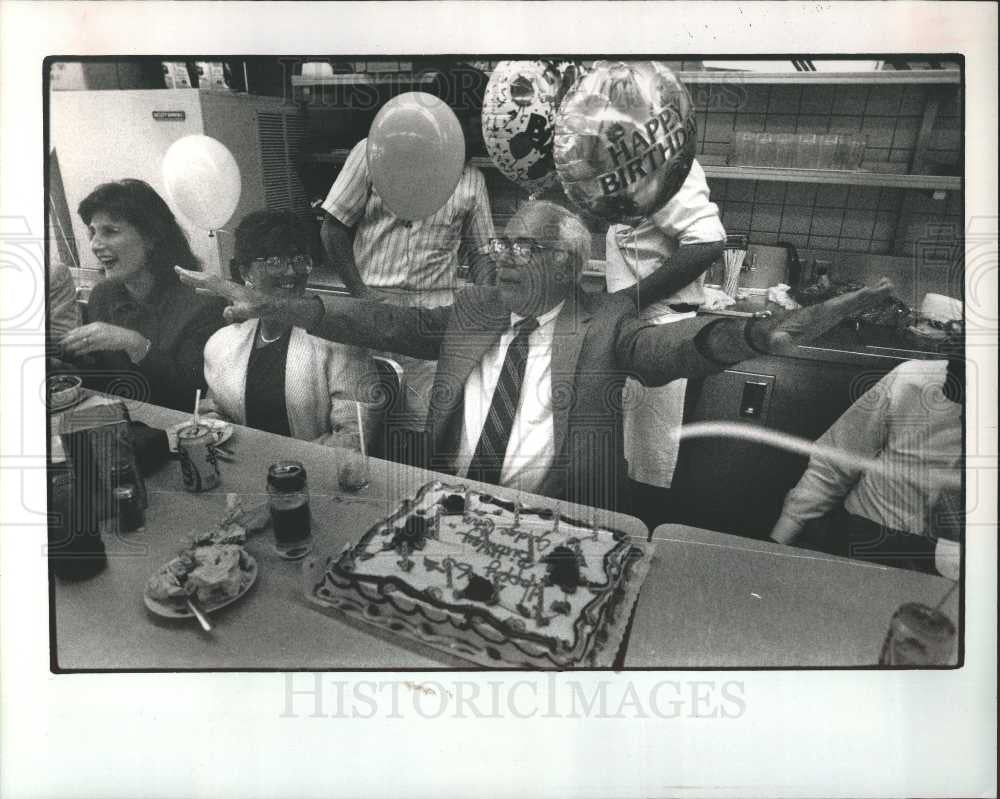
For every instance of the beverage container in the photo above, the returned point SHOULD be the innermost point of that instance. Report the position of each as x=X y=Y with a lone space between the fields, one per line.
x=856 y=146
x=125 y=473
x=199 y=466
x=784 y=150
x=288 y=499
x=75 y=548
x=828 y=150
x=741 y=147
x=128 y=509
x=766 y=150
x=918 y=636
x=807 y=151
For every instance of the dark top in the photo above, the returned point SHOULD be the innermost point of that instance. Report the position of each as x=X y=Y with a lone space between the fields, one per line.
x=265 y=387
x=177 y=322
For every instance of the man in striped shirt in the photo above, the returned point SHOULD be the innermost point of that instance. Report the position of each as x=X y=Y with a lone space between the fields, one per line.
x=413 y=263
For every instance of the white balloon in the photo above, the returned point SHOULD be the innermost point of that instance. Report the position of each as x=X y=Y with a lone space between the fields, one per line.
x=202 y=180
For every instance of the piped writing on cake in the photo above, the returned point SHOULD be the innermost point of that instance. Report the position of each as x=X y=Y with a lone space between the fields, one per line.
x=531 y=571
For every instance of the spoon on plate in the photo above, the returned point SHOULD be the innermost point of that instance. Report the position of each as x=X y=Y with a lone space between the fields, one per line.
x=206 y=625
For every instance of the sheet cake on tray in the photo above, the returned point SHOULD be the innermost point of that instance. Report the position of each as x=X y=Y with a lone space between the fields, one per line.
x=481 y=578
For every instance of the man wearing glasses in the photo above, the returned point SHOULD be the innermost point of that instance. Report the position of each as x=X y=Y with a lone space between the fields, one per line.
x=269 y=373
x=530 y=372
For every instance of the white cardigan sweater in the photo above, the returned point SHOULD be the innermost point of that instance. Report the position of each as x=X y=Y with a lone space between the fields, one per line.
x=321 y=381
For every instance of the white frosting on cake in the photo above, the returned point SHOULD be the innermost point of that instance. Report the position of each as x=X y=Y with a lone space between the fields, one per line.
x=506 y=547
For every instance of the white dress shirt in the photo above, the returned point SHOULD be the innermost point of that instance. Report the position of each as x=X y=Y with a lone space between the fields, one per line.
x=529 y=450
x=915 y=432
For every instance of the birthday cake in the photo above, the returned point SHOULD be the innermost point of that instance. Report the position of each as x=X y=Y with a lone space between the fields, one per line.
x=488 y=580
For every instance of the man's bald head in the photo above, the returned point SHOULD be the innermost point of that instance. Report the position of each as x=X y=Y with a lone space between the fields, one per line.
x=551 y=224
x=563 y=250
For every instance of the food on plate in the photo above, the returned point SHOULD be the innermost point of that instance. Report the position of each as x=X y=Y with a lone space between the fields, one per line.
x=211 y=574
x=484 y=579
x=62 y=390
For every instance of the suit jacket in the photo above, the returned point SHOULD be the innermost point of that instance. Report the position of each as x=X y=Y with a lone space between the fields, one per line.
x=321 y=379
x=599 y=341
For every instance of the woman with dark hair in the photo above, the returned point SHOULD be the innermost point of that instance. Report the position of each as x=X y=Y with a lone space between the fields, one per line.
x=277 y=377
x=146 y=332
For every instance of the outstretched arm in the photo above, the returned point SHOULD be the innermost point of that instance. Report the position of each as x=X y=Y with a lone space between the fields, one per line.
x=658 y=354
x=681 y=269
x=416 y=332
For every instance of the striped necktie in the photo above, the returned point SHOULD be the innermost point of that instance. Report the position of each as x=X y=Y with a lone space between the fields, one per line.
x=487 y=462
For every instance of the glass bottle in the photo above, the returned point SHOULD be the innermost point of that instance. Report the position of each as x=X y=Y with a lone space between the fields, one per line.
x=288 y=499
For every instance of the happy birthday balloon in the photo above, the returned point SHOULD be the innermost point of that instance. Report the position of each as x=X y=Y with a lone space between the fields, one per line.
x=624 y=140
x=519 y=113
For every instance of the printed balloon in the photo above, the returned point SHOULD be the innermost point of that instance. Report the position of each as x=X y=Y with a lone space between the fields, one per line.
x=625 y=140
x=519 y=113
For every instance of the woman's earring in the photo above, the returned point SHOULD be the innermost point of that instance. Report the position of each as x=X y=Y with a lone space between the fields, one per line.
x=248 y=283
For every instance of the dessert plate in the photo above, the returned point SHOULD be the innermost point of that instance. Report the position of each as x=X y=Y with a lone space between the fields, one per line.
x=247 y=578
x=222 y=430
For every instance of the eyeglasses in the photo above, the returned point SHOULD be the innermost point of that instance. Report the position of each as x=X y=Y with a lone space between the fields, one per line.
x=277 y=265
x=520 y=249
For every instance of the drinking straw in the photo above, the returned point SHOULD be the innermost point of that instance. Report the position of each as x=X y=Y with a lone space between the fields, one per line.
x=197 y=402
x=361 y=430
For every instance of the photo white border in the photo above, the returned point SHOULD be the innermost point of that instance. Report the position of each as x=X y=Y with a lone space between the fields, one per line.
x=836 y=733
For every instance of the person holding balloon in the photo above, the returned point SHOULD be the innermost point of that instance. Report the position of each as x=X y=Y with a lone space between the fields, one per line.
x=407 y=208
x=146 y=331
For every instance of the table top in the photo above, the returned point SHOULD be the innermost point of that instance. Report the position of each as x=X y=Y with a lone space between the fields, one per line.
x=709 y=600
x=720 y=600
x=102 y=623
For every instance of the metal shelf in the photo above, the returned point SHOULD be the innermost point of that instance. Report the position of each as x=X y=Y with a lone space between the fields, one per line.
x=841 y=177
x=383 y=79
x=890 y=77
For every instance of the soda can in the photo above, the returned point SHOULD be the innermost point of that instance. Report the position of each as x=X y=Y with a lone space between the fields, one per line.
x=918 y=636
x=199 y=466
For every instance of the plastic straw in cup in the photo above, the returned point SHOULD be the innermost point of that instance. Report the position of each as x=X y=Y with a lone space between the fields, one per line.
x=361 y=430
x=197 y=402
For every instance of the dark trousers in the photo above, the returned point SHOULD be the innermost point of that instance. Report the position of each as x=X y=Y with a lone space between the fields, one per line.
x=842 y=533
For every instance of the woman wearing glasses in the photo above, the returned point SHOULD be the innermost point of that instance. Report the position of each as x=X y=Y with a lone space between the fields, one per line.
x=279 y=378
x=146 y=332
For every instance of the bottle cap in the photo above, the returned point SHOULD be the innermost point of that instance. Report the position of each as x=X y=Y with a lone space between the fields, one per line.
x=286 y=476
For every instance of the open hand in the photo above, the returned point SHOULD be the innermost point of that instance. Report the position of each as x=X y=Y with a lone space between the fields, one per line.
x=781 y=334
x=244 y=303
x=101 y=337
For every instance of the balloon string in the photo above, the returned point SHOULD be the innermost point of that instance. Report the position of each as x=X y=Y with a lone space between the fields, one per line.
x=800 y=446
x=633 y=240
